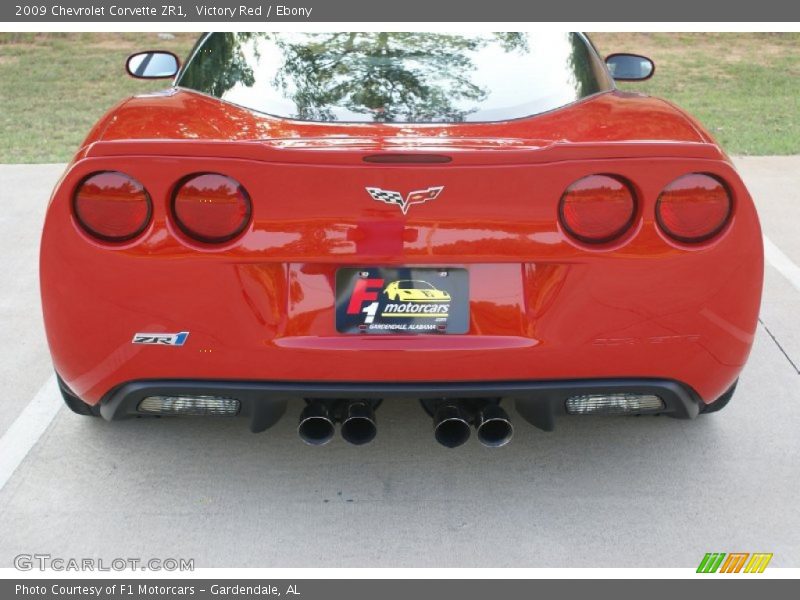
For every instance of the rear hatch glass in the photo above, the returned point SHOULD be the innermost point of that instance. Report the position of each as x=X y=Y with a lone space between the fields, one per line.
x=396 y=77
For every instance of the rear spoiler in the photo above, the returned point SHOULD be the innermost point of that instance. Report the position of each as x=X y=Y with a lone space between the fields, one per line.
x=353 y=151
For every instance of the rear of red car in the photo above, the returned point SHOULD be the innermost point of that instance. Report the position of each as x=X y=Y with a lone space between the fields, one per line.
x=550 y=261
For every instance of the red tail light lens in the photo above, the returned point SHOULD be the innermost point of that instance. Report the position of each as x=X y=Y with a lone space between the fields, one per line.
x=693 y=208
x=211 y=208
x=597 y=209
x=112 y=206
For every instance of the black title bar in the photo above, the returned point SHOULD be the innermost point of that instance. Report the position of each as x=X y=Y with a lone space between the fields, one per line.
x=264 y=11
x=420 y=589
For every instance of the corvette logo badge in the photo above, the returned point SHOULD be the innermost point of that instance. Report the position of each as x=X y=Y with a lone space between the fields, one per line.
x=415 y=197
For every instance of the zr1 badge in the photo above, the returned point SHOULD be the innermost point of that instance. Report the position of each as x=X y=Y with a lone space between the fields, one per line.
x=402 y=301
x=161 y=339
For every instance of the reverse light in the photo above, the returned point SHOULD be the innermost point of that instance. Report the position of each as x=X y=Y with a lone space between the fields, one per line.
x=190 y=405
x=597 y=208
x=211 y=208
x=112 y=206
x=613 y=404
x=693 y=208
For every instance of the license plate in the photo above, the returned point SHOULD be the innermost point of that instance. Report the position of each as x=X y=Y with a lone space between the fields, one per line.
x=402 y=301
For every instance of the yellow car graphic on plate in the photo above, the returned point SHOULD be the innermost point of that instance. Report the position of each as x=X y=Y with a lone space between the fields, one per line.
x=414 y=290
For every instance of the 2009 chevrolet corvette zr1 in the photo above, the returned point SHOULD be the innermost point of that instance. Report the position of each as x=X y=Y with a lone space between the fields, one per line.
x=466 y=220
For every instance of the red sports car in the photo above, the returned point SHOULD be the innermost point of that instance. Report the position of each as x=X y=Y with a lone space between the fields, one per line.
x=462 y=219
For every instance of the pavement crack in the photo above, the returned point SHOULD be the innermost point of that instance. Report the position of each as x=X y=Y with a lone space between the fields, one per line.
x=778 y=344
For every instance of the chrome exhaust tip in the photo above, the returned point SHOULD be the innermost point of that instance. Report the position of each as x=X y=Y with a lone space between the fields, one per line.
x=450 y=425
x=493 y=426
x=358 y=423
x=316 y=425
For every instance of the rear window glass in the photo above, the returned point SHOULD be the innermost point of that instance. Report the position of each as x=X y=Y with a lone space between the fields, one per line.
x=396 y=77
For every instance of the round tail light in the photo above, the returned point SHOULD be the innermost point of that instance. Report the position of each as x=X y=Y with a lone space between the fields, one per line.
x=211 y=208
x=693 y=208
x=112 y=206
x=597 y=208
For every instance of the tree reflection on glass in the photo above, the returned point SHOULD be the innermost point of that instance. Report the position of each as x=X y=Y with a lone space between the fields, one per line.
x=389 y=76
x=396 y=77
x=219 y=65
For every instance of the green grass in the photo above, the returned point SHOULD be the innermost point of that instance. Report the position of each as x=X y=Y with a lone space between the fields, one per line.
x=744 y=87
x=54 y=87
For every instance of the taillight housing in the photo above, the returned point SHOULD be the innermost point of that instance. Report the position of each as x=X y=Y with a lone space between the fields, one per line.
x=598 y=208
x=694 y=208
x=211 y=208
x=112 y=206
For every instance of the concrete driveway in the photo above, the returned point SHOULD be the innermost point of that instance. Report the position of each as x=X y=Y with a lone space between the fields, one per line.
x=596 y=492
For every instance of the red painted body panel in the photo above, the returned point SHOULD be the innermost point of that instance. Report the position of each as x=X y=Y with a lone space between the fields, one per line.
x=608 y=117
x=261 y=307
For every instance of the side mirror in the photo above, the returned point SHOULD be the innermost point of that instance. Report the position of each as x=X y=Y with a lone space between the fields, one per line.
x=630 y=67
x=154 y=64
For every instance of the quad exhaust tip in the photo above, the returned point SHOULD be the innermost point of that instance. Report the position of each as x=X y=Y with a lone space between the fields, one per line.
x=451 y=425
x=493 y=426
x=358 y=423
x=316 y=425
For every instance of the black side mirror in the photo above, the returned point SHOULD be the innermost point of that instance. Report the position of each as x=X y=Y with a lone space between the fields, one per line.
x=630 y=67
x=154 y=64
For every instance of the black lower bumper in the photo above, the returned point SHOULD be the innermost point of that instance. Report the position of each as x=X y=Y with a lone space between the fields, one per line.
x=538 y=402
